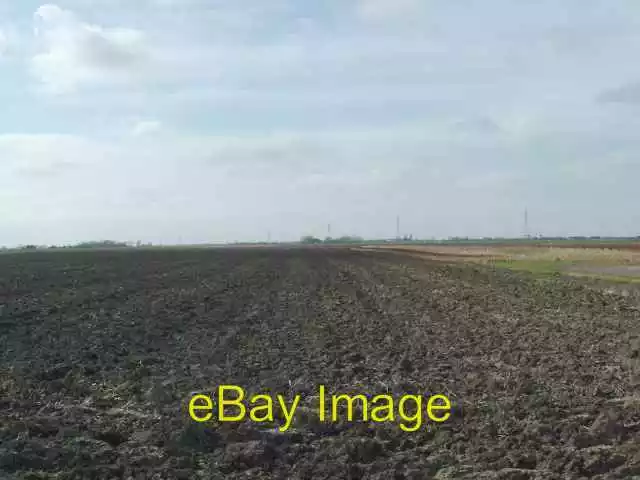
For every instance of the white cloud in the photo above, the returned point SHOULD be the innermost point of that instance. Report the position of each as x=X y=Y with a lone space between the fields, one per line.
x=386 y=10
x=629 y=93
x=40 y=154
x=73 y=53
x=9 y=41
x=4 y=43
x=493 y=181
x=145 y=127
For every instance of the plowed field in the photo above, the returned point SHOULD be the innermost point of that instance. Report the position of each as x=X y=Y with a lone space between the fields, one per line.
x=101 y=351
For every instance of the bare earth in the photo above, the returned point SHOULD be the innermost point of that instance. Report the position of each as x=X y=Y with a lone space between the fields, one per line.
x=99 y=352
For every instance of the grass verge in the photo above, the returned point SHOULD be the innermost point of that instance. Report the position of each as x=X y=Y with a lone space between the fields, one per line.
x=555 y=268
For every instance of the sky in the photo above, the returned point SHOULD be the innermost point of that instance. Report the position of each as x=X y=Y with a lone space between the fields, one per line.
x=191 y=121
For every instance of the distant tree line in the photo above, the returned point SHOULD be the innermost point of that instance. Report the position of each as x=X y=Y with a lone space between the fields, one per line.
x=89 y=245
x=102 y=244
x=310 y=240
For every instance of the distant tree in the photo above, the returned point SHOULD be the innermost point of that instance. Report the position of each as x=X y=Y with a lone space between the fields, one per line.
x=310 y=240
x=344 y=239
x=101 y=244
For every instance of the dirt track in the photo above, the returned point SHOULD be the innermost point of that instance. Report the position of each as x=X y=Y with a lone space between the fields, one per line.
x=99 y=353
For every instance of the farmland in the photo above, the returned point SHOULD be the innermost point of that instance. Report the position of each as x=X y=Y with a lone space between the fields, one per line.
x=618 y=262
x=100 y=352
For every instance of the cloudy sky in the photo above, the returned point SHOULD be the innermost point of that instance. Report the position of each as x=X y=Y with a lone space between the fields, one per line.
x=214 y=120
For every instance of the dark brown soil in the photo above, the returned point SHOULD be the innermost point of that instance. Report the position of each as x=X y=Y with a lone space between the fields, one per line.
x=100 y=352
